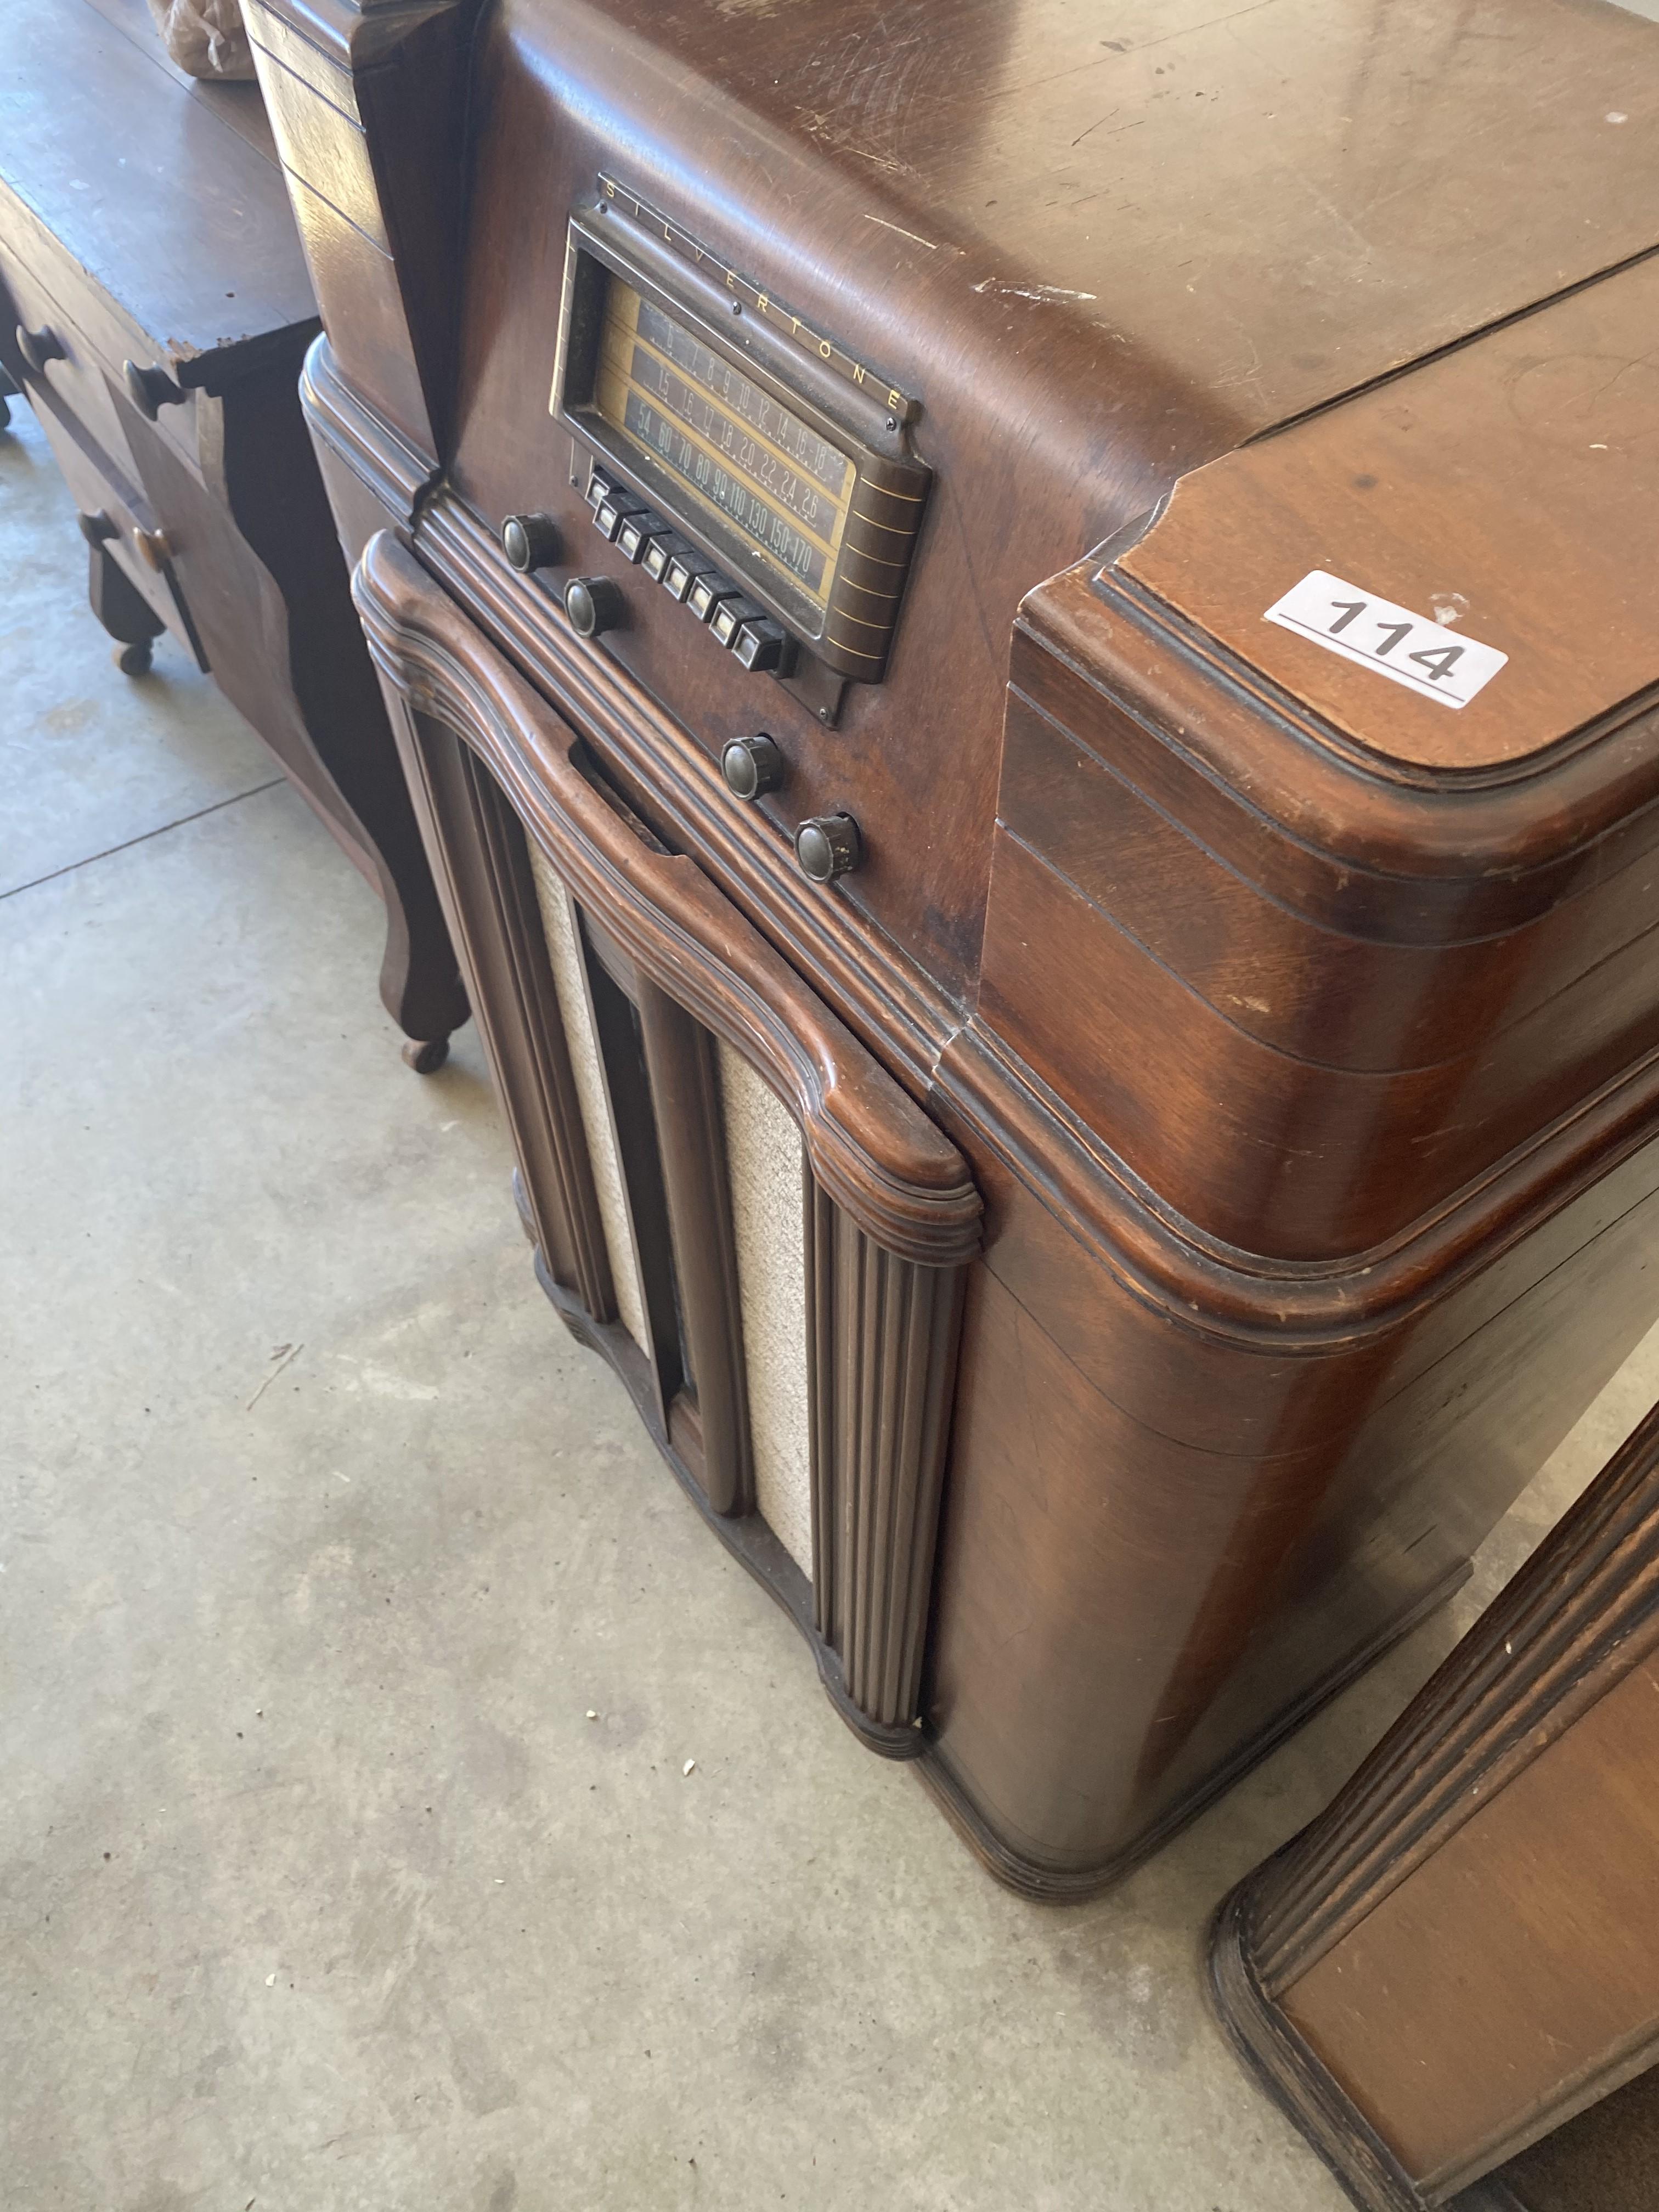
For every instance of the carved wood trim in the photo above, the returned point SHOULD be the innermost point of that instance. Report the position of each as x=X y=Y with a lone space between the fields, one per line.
x=899 y=1178
x=685 y=1091
x=1294 y=2076
x=1579 y=1616
x=882 y=1335
x=483 y=871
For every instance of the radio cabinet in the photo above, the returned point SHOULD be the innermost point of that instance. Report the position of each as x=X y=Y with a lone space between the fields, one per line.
x=1268 y=1048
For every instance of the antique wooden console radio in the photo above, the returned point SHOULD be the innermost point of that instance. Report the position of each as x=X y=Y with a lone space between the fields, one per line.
x=1026 y=642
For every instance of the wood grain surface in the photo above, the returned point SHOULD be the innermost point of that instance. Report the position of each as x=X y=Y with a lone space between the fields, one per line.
x=1511 y=487
x=183 y=222
x=1462 y=1952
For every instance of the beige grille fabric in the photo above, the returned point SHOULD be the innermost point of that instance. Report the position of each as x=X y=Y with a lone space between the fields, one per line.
x=559 y=925
x=766 y=1167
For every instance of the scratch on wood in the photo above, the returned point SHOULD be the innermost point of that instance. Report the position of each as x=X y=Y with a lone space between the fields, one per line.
x=901 y=231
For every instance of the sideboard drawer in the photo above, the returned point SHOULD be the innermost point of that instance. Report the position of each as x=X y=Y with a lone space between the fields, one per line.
x=75 y=377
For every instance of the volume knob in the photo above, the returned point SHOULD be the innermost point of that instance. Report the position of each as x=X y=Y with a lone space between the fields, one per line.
x=593 y=604
x=530 y=542
x=752 y=766
x=828 y=845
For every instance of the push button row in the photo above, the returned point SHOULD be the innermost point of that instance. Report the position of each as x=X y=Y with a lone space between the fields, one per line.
x=642 y=537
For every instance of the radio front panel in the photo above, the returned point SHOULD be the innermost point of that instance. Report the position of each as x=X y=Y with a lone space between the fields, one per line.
x=748 y=463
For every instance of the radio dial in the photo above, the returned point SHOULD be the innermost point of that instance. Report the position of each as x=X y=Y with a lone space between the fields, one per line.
x=752 y=766
x=828 y=845
x=530 y=542
x=593 y=604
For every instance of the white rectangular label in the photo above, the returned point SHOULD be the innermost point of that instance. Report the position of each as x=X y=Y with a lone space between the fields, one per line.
x=1428 y=657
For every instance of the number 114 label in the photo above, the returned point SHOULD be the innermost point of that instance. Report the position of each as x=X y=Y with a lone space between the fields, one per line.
x=1425 y=656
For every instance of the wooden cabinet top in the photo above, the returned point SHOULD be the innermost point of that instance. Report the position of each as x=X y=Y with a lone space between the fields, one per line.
x=1508 y=492
x=166 y=194
x=1259 y=206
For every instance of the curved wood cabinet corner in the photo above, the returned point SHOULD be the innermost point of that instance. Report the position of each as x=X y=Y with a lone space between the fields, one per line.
x=1462 y=1952
x=720 y=1179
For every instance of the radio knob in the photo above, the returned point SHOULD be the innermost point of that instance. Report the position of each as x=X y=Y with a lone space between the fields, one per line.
x=828 y=845
x=593 y=604
x=752 y=767
x=530 y=542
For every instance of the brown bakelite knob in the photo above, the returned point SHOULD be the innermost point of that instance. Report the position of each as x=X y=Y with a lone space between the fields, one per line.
x=828 y=845
x=530 y=542
x=594 y=603
x=752 y=766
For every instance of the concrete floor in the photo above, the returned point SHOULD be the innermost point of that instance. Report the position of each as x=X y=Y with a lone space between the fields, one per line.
x=321 y=1538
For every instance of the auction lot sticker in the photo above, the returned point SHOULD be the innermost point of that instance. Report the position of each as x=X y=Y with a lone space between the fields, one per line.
x=1425 y=656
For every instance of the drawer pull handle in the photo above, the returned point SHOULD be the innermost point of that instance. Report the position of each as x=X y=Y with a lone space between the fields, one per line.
x=154 y=548
x=39 y=347
x=150 y=389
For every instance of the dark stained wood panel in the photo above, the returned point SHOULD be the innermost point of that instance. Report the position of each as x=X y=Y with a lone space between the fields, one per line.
x=1263 y=205
x=183 y=222
x=1513 y=484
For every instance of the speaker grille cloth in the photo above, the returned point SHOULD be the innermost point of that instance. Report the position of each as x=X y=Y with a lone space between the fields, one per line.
x=559 y=925
x=766 y=1162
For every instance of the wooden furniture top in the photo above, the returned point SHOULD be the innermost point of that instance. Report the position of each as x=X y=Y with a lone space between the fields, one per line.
x=167 y=193
x=1259 y=208
x=1511 y=485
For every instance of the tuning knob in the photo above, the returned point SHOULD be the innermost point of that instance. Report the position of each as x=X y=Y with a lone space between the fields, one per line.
x=828 y=845
x=593 y=604
x=530 y=542
x=97 y=529
x=39 y=347
x=150 y=390
x=752 y=766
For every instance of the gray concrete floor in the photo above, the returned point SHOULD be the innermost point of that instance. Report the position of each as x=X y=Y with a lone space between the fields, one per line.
x=320 y=1538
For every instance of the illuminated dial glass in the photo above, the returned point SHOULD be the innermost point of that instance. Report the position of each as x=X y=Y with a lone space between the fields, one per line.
x=740 y=454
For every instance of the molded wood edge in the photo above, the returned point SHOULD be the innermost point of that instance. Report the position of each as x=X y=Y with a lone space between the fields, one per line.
x=1581 y=1614
x=1287 y=2070
x=870 y=1148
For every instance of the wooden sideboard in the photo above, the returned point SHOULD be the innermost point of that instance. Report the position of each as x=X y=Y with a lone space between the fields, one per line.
x=1108 y=1151
x=154 y=309
x=1462 y=1953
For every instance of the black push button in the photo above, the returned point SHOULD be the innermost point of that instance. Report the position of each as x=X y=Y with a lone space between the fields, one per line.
x=682 y=572
x=637 y=532
x=664 y=548
x=599 y=486
x=530 y=542
x=752 y=766
x=708 y=593
x=593 y=604
x=612 y=511
x=828 y=845
x=761 y=644
x=730 y=615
